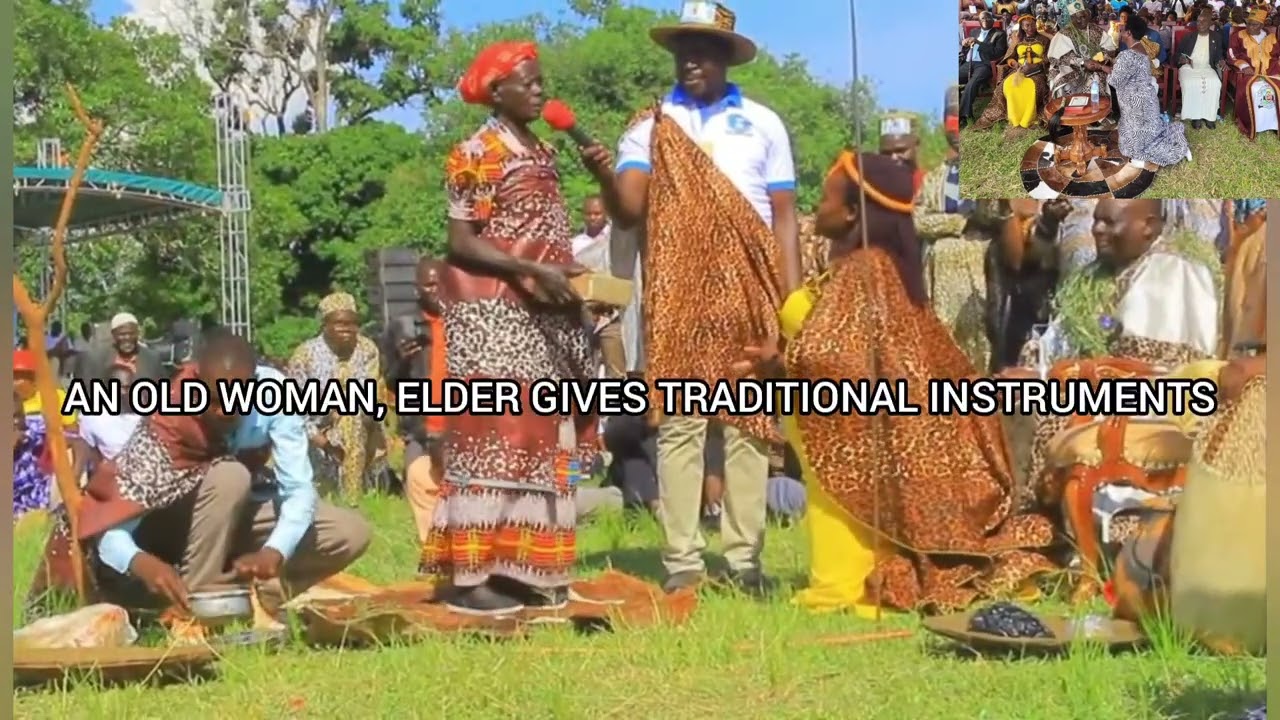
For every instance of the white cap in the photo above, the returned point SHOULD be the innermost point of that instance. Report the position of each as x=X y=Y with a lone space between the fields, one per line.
x=895 y=125
x=121 y=319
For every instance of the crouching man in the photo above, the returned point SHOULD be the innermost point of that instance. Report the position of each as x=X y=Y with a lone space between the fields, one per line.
x=189 y=504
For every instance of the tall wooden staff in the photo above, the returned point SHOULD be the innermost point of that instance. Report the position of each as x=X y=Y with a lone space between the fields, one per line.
x=862 y=228
x=34 y=315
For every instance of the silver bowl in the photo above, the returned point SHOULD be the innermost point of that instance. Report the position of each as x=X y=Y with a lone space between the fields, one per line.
x=221 y=607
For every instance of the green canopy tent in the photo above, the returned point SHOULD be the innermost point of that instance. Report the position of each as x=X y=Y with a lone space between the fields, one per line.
x=108 y=203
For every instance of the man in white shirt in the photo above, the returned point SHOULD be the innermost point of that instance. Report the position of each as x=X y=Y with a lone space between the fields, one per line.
x=710 y=174
x=591 y=249
x=106 y=434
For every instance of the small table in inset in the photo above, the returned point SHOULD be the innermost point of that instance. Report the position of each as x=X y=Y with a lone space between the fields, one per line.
x=1073 y=158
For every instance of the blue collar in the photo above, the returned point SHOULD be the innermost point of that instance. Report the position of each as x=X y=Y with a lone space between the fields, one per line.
x=732 y=98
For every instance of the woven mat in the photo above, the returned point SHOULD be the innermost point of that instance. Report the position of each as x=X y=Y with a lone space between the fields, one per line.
x=113 y=664
x=345 y=611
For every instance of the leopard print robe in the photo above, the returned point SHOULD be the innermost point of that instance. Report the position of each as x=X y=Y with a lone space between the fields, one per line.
x=711 y=268
x=943 y=485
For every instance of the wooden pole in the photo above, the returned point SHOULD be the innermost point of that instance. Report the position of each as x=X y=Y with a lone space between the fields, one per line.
x=34 y=314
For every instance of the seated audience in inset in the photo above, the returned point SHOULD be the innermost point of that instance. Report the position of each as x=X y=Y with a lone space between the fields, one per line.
x=1145 y=134
x=1199 y=55
x=1022 y=94
x=986 y=44
x=1254 y=52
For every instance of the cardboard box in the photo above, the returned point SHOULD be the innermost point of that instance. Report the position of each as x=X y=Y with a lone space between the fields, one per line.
x=603 y=288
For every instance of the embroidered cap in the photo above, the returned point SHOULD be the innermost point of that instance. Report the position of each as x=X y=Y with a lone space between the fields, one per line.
x=1073 y=7
x=707 y=18
x=897 y=125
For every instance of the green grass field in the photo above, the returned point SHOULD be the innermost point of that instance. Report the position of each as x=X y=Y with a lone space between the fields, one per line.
x=1226 y=165
x=697 y=671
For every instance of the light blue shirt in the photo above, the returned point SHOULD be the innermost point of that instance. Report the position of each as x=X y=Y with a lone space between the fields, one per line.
x=293 y=492
x=746 y=140
x=974 y=54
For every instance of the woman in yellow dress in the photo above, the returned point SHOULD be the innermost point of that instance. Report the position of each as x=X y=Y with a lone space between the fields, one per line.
x=1025 y=89
x=937 y=489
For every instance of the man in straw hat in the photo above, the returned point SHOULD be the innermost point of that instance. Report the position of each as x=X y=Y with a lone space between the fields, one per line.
x=1255 y=53
x=709 y=173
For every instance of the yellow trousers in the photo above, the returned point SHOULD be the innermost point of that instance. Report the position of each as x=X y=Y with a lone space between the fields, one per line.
x=841 y=549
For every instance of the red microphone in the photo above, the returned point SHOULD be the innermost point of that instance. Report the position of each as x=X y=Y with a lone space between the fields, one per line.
x=560 y=117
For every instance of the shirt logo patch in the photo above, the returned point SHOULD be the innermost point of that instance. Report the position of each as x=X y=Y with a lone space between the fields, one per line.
x=739 y=125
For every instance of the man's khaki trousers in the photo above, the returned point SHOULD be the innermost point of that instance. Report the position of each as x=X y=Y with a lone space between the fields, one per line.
x=422 y=478
x=219 y=521
x=681 y=443
x=612 y=350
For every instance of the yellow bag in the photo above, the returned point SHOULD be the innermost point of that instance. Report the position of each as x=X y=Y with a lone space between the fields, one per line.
x=1218 y=562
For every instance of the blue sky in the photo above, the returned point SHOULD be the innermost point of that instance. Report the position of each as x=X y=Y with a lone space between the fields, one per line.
x=909 y=56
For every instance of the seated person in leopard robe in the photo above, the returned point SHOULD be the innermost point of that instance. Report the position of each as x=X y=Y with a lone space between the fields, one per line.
x=1152 y=295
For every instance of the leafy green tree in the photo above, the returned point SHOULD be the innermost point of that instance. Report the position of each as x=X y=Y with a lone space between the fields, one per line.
x=156 y=111
x=347 y=59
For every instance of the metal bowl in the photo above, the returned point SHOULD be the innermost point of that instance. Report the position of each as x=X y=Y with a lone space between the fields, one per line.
x=221 y=607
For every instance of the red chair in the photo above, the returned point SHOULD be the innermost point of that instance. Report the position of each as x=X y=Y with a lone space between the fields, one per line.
x=1172 y=94
x=1229 y=77
x=1148 y=454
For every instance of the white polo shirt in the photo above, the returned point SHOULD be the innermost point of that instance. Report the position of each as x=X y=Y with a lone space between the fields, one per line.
x=745 y=139
x=593 y=252
x=108 y=433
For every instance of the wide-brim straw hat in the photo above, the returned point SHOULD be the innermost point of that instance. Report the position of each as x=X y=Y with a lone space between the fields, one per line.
x=707 y=18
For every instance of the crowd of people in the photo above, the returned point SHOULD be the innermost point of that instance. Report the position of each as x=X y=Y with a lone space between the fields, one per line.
x=1125 y=50
x=699 y=207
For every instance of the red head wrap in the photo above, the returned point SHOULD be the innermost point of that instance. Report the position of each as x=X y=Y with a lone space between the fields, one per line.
x=24 y=361
x=492 y=65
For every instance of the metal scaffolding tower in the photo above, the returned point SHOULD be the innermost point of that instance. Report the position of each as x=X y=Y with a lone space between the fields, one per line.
x=233 y=181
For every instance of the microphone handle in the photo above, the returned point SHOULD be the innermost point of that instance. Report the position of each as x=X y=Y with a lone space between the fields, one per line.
x=581 y=138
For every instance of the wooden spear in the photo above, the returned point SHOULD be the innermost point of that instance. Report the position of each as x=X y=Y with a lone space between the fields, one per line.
x=34 y=316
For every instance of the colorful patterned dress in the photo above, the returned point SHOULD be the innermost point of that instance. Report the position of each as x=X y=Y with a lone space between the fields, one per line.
x=33 y=481
x=507 y=502
x=31 y=484
x=954 y=267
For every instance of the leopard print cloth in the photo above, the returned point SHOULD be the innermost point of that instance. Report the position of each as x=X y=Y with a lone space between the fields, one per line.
x=944 y=482
x=712 y=280
x=145 y=475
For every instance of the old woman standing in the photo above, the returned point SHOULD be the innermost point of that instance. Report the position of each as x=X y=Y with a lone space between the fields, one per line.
x=347 y=451
x=505 y=528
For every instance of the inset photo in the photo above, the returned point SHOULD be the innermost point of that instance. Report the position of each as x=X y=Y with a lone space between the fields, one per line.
x=1106 y=99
